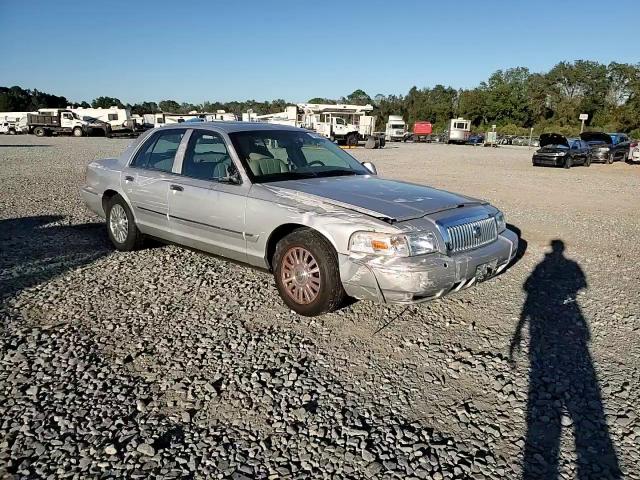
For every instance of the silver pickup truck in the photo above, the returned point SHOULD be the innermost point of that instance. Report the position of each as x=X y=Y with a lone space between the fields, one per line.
x=290 y=201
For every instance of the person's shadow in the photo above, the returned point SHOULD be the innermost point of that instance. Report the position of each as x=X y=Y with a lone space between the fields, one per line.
x=563 y=385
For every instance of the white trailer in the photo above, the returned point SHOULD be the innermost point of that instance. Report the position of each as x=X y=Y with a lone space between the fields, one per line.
x=395 y=129
x=118 y=118
x=220 y=116
x=459 y=130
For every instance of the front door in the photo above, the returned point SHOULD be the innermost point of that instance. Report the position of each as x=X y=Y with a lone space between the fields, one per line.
x=147 y=178
x=206 y=206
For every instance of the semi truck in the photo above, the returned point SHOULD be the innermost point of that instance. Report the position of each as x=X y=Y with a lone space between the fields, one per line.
x=396 y=129
x=60 y=121
x=459 y=130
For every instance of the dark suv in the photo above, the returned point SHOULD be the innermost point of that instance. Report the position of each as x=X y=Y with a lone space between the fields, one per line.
x=607 y=147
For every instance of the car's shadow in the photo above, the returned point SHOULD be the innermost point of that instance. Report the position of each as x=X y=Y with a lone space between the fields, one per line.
x=37 y=249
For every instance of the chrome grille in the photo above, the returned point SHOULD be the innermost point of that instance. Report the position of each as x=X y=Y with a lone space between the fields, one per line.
x=472 y=235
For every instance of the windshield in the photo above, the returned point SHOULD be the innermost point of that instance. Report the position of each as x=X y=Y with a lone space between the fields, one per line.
x=398 y=126
x=275 y=155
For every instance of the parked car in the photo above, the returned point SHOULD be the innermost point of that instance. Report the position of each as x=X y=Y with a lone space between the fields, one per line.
x=559 y=151
x=475 y=139
x=292 y=202
x=607 y=147
x=634 y=152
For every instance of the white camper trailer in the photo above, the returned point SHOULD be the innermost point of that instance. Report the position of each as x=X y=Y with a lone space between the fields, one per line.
x=459 y=130
x=118 y=118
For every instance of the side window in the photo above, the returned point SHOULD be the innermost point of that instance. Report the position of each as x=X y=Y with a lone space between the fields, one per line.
x=159 y=151
x=206 y=157
x=113 y=116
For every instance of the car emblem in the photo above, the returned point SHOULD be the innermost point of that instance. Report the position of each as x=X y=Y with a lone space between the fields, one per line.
x=477 y=233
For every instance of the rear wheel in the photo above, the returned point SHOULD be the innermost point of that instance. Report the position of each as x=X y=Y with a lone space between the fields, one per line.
x=121 y=226
x=306 y=273
x=39 y=132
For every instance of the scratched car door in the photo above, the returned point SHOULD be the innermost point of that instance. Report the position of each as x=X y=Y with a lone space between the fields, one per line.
x=206 y=207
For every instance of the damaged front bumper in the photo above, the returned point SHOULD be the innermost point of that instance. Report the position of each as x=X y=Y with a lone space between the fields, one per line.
x=408 y=280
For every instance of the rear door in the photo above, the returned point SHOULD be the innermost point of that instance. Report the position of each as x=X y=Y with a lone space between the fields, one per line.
x=147 y=178
x=206 y=208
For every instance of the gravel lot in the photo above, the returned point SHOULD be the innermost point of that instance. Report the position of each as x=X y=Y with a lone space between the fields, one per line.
x=168 y=363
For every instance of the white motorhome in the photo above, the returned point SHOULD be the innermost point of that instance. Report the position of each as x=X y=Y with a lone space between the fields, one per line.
x=220 y=116
x=459 y=130
x=118 y=118
x=395 y=129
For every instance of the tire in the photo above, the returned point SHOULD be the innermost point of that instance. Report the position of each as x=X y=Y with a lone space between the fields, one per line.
x=352 y=140
x=77 y=132
x=306 y=273
x=610 y=159
x=121 y=226
x=568 y=162
x=587 y=162
x=11 y=131
x=39 y=132
x=625 y=158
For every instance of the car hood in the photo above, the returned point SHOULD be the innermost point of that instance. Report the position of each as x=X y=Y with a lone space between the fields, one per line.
x=596 y=137
x=392 y=200
x=553 y=139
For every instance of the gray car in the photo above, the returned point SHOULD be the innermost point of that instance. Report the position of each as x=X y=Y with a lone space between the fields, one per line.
x=290 y=201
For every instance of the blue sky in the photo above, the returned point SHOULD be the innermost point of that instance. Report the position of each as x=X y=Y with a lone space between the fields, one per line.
x=233 y=50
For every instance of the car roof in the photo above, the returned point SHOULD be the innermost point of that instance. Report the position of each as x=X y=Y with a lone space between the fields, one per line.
x=231 y=127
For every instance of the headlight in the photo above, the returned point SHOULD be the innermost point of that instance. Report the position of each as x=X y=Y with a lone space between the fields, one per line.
x=399 y=245
x=501 y=222
x=561 y=154
x=603 y=149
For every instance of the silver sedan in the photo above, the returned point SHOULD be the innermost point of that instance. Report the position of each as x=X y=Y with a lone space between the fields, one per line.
x=292 y=202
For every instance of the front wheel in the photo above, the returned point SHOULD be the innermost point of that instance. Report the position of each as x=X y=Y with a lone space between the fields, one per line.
x=587 y=162
x=568 y=162
x=352 y=140
x=77 y=132
x=610 y=159
x=121 y=226
x=306 y=273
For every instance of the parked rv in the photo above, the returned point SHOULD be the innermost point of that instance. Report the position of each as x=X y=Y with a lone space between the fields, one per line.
x=117 y=118
x=459 y=130
x=395 y=129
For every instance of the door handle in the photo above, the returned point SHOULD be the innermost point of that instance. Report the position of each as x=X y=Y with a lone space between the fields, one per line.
x=176 y=188
x=128 y=178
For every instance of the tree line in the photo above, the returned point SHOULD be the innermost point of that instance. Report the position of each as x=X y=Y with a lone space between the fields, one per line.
x=514 y=99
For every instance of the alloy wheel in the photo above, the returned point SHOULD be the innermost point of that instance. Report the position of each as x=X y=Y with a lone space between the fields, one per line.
x=301 y=275
x=118 y=223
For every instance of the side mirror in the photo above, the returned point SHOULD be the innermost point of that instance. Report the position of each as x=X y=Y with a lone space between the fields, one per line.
x=371 y=167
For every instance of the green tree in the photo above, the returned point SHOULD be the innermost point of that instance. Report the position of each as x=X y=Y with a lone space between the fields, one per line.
x=106 y=102
x=169 y=106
